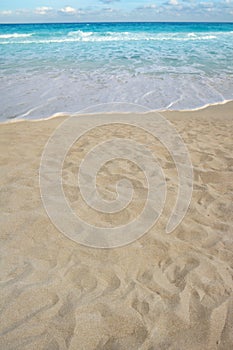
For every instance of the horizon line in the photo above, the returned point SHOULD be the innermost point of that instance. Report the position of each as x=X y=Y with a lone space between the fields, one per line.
x=112 y=22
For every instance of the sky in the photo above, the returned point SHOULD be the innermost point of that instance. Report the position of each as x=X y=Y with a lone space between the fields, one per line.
x=43 y=11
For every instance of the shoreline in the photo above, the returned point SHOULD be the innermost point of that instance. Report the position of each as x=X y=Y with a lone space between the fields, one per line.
x=227 y=103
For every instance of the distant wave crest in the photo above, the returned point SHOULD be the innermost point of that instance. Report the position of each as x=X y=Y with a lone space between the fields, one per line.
x=14 y=35
x=81 y=36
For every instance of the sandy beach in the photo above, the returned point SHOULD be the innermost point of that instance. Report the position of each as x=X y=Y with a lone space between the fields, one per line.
x=162 y=292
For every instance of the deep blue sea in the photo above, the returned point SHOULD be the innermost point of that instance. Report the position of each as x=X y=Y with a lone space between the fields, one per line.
x=51 y=68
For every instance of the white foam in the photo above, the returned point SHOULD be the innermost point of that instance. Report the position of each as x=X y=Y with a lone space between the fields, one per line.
x=103 y=39
x=80 y=33
x=15 y=35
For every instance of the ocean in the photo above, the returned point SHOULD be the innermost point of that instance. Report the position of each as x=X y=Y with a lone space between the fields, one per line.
x=51 y=68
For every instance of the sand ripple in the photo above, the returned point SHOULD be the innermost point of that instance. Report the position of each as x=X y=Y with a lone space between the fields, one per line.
x=161 y=292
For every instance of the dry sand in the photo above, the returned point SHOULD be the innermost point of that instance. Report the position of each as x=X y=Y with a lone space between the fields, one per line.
x=161 y=292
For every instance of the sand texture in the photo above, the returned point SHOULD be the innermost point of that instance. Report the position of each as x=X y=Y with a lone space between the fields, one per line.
x=162 y=292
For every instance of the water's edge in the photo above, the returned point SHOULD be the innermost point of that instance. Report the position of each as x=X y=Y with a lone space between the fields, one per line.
x=67 y=114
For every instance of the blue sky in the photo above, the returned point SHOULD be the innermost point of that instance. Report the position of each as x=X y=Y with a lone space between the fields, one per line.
x=115 y=10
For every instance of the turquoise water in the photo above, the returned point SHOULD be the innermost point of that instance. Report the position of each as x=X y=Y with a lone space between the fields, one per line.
x=50 y=68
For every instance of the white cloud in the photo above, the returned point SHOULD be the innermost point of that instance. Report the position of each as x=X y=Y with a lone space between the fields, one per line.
x=207 y=4
x=6 y=13
x=173 y=2
x=108 y=9
x=147 y=7
x=68 y=10
x=42 y=10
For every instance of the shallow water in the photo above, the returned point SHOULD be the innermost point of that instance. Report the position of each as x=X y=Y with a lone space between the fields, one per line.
x=51 y=68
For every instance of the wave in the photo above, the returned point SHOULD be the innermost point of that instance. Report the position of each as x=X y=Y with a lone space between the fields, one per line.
x=91 y=37
x=100 y=36
x=80 y=33
x=127 y=36
x=15 y=35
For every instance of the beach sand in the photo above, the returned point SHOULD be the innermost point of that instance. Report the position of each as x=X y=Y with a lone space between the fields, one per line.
x=163 y=291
